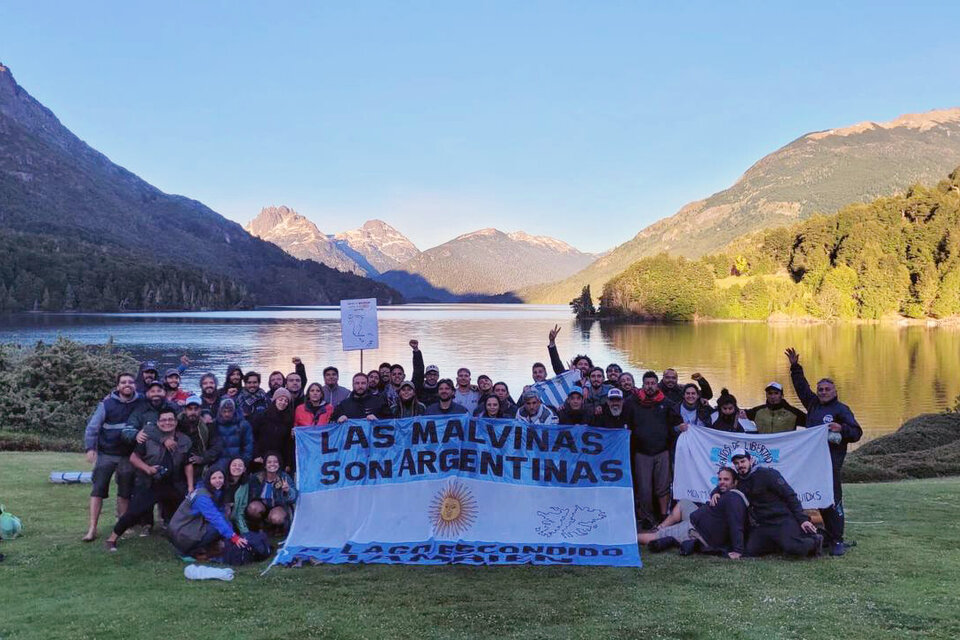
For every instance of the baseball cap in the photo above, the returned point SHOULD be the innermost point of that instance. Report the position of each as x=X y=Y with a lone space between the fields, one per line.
x=171 y=372
x=155 y=383
x=775 y=385
x=432 y=368
x=193 y=400
x=150 y=365
x=614 y=394
x=739 y=452
x=575 y=392
x=407 y=383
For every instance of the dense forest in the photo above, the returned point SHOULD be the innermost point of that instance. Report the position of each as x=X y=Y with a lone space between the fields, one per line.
x=896 y=255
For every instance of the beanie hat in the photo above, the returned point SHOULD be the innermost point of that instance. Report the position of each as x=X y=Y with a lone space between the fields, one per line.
x=282 y=393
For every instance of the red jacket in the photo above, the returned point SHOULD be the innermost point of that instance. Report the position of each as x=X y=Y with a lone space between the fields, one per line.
x=304 y=417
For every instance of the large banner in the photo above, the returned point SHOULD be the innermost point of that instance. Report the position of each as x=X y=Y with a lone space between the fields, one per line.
x=459 y=490
x=802 y=457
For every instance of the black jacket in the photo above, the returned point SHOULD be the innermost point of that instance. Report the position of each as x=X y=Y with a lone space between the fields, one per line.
x=358 y=407
x=606 y=419
x=771 y=497
x=426 y=395
x=273 y=431
x=722 y=526
x=566 y=415
x=675 y=395
x=653 y=429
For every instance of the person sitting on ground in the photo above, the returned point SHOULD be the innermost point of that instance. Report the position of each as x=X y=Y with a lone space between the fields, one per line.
x=235 y=493
x=533 y=411
x=693 y=412
x=445 y=404
x=315 y=410
x=273 y=429
x=171 y=385
x=824 y=408
x=776 y=415
x=466 y=394
x=108 y=451
x=424 y=379
x=490 y=408
x=653 y=436
x=407 y=404
x=209 y=393
x=233 y=382
x=361 y=405
x=596 y=391
x=580 y=362
x=160 y=475
x=295 y=382
x=507 y=406
x=199 y=522
x=272 y=496
x=613 y=374
x=614 y=413
x=205 y=445
x=236 y=434
x=274 y=382
x=572 y=410
x=252 y=399
x=728 y=414
x=332 y=391
x=674 y=392
x=780 y=523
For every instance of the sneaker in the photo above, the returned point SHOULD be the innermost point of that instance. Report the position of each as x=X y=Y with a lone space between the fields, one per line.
x=110 y=546
x=688 y=547
x=838 y=549
x=662 y=544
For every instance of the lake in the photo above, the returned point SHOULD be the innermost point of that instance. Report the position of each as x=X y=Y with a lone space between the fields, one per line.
x=886 y=373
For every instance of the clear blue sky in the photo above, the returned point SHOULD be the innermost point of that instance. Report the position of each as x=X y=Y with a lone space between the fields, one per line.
x=582 y=120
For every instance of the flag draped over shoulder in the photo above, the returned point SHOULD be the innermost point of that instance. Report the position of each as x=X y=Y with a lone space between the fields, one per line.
x=802 y=457
x=554 y=392
x=458 y=490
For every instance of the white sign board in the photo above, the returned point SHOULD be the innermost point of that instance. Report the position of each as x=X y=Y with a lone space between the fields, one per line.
x=358 y=324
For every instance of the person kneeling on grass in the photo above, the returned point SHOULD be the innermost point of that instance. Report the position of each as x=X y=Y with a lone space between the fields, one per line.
x=272 y=496
x=716 y=527
x=200 y=522
x=161 y=464
x=777 y=519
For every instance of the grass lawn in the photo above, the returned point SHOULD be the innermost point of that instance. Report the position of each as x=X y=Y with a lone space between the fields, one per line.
x=901 y=581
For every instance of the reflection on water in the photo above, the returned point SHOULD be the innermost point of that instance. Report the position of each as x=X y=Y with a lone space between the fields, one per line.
x=887 y=374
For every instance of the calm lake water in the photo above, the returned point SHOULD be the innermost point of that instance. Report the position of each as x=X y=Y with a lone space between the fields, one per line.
x=887 y=374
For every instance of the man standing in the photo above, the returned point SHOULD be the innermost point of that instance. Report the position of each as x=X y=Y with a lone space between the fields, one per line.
x=652 y=437
x=614 y=413
x=781 y=524
x=467 y=395
x=333 y=393
x=596 y=392
x=445 y=404
x=572 y=411
x=360 y=404
x=171 y=385
x=209 y=393
x=424 y=380
x=252 y=400
x=107 y=450
x=674 y=391
x=532 y=411
x=776 y=415
x=823 y=408
x=148 y=410
x=204 y=444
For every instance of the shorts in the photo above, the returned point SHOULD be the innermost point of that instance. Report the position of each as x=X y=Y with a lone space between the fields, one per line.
x=105 y=467
x=681 y=530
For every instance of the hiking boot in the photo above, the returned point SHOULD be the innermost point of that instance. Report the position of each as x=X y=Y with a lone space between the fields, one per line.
x=838 y=549
x=662 y=544
x=688 y=547
x=110 y=545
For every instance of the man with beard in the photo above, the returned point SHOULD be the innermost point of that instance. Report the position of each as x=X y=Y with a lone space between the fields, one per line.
x=572 y=411
x=209 y=393
x=613 y=374
x=424 y=379
x=147 y=410
x=580 y=362
x=466 y=394
x=233 y=383
x=652 y=437
x=332 y=391
x=674 y=391
x=361 y=404
x=445 y=404
x=824 y=408
x=252 y=400
x=776 y=415
x=235 y=432
x=108 y=451
x=204 y=444
x=781 y=524
x=615 y=413
x=171 y=385
x=596 y=391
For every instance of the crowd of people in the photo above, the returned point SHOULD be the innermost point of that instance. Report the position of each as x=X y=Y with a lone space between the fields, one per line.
x=220 y=465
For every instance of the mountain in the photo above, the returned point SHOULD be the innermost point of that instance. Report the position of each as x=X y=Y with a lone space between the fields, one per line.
x=111 y=241
x=484 y=264
x=818 y=172
x=377 y=246
x=300 y=238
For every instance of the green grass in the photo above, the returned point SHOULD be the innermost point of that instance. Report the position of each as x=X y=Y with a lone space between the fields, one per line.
x=901 y=581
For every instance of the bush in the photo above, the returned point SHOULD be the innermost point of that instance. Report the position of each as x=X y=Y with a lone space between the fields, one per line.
x=51 y=389
x=924 y=447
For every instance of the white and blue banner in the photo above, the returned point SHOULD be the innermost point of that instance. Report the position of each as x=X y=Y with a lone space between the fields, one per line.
x=802 y=457
x=554 y=392
x=459 y=490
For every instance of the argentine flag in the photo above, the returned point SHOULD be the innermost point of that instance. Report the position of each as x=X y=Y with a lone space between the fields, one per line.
x=554 y=392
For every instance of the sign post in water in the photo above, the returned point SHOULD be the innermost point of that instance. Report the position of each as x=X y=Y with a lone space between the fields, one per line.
x=358 y=325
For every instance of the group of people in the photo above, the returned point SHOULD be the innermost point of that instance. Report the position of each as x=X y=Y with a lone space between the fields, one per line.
x=221 y=463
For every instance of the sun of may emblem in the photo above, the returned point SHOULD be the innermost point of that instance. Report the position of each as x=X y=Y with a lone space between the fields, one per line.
x=452 y=511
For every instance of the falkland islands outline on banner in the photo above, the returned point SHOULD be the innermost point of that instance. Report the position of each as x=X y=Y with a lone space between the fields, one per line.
x=460 y=490
x=802 y=457
x=358 y=324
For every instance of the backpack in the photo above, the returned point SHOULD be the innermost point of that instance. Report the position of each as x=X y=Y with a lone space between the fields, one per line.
x=259 y=549
x=10 y=526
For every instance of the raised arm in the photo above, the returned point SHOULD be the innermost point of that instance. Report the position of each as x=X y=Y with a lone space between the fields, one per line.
x=418 y=367
x=807 y=397
x=555 y=361
x=301 y=371
x=706 y=391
